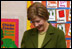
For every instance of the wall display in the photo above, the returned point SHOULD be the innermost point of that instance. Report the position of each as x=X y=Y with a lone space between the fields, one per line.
x=70 y=4
x=37 y=1
x=62 y=27
x=61 y=16
x=68 y=30
x=62 y=3
x=68 y=43
x=52 y=15
x=69 y=17
x=10 y=33
x=51 y=4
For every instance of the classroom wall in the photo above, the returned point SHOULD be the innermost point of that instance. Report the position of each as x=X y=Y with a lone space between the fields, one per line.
x=15 y=10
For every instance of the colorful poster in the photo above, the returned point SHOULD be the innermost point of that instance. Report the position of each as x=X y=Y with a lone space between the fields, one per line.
x=62 y=3
x=37 y=1
x=10 y=33
x=51 y=4
x=70 y=4
x=43 y=2
x=68 y=30
x=62 y=27
x=52 y=15
x=61 y=16
x=68 y=43
x=69 y=17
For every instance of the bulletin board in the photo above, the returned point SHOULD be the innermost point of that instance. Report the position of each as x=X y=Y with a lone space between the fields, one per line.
x=59 y=16
x=10 y=33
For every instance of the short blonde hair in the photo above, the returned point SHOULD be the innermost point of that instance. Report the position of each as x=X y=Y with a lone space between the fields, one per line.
x=37 y=9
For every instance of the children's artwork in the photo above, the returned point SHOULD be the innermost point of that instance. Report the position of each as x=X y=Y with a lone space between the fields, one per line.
x=62 y=3
x=61 y=16
x=52 y=15
x=68 y=43
x=51 y=4
x=62 y=27
x=69 y=17
x=32 y=26
x=37 y=1
x=10 y=32
x=69 y=32
x=70 y=4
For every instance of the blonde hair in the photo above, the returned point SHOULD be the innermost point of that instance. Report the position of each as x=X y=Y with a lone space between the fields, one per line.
x=37 y=9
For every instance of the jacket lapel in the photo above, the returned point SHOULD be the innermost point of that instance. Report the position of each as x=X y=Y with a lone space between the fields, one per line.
x=48 y=35
x=34 y=38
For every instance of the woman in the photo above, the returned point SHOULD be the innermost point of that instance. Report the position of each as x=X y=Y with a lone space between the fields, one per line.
x=44 y=35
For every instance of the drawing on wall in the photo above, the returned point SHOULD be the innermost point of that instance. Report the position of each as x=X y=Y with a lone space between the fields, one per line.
x=70 y=4
x=62 y=3
x=62 y=27
x=69 y=32
x=61 y=16
x=69 y=17
x=10 y=32
x=68 y=43
x=52 y=15
x=51 y=4
x=37 y=1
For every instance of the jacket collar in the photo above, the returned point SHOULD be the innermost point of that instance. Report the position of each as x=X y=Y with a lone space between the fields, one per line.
x=48 y=36
x=34 y=36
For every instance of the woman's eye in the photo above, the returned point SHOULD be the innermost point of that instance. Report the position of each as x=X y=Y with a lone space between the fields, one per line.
x=38 y=21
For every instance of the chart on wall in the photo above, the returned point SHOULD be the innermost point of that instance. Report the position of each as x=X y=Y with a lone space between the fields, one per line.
x=59 y=16
x=9 y=33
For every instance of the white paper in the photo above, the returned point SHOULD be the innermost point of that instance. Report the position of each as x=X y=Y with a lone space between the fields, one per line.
x=61 y=19
x=62 y=3
x=52 y=17
x=37 y=1
x=51 y=5
x=69 y=17
x=62 y=27
x=70 y=4
x=69 y=33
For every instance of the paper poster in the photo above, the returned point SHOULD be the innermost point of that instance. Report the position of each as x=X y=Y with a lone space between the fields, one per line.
x=69 y=17
x=70 y=4
x=68 y=43
x=69 y=32
x=61 y=16
x=32 y=26
x=37 y=1
x=51 y=4
x=52 y=15
x=62 y=3
x=10 y=33
x=62 y=27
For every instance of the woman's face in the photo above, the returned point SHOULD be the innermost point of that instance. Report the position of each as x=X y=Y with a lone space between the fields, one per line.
x=39 y=23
